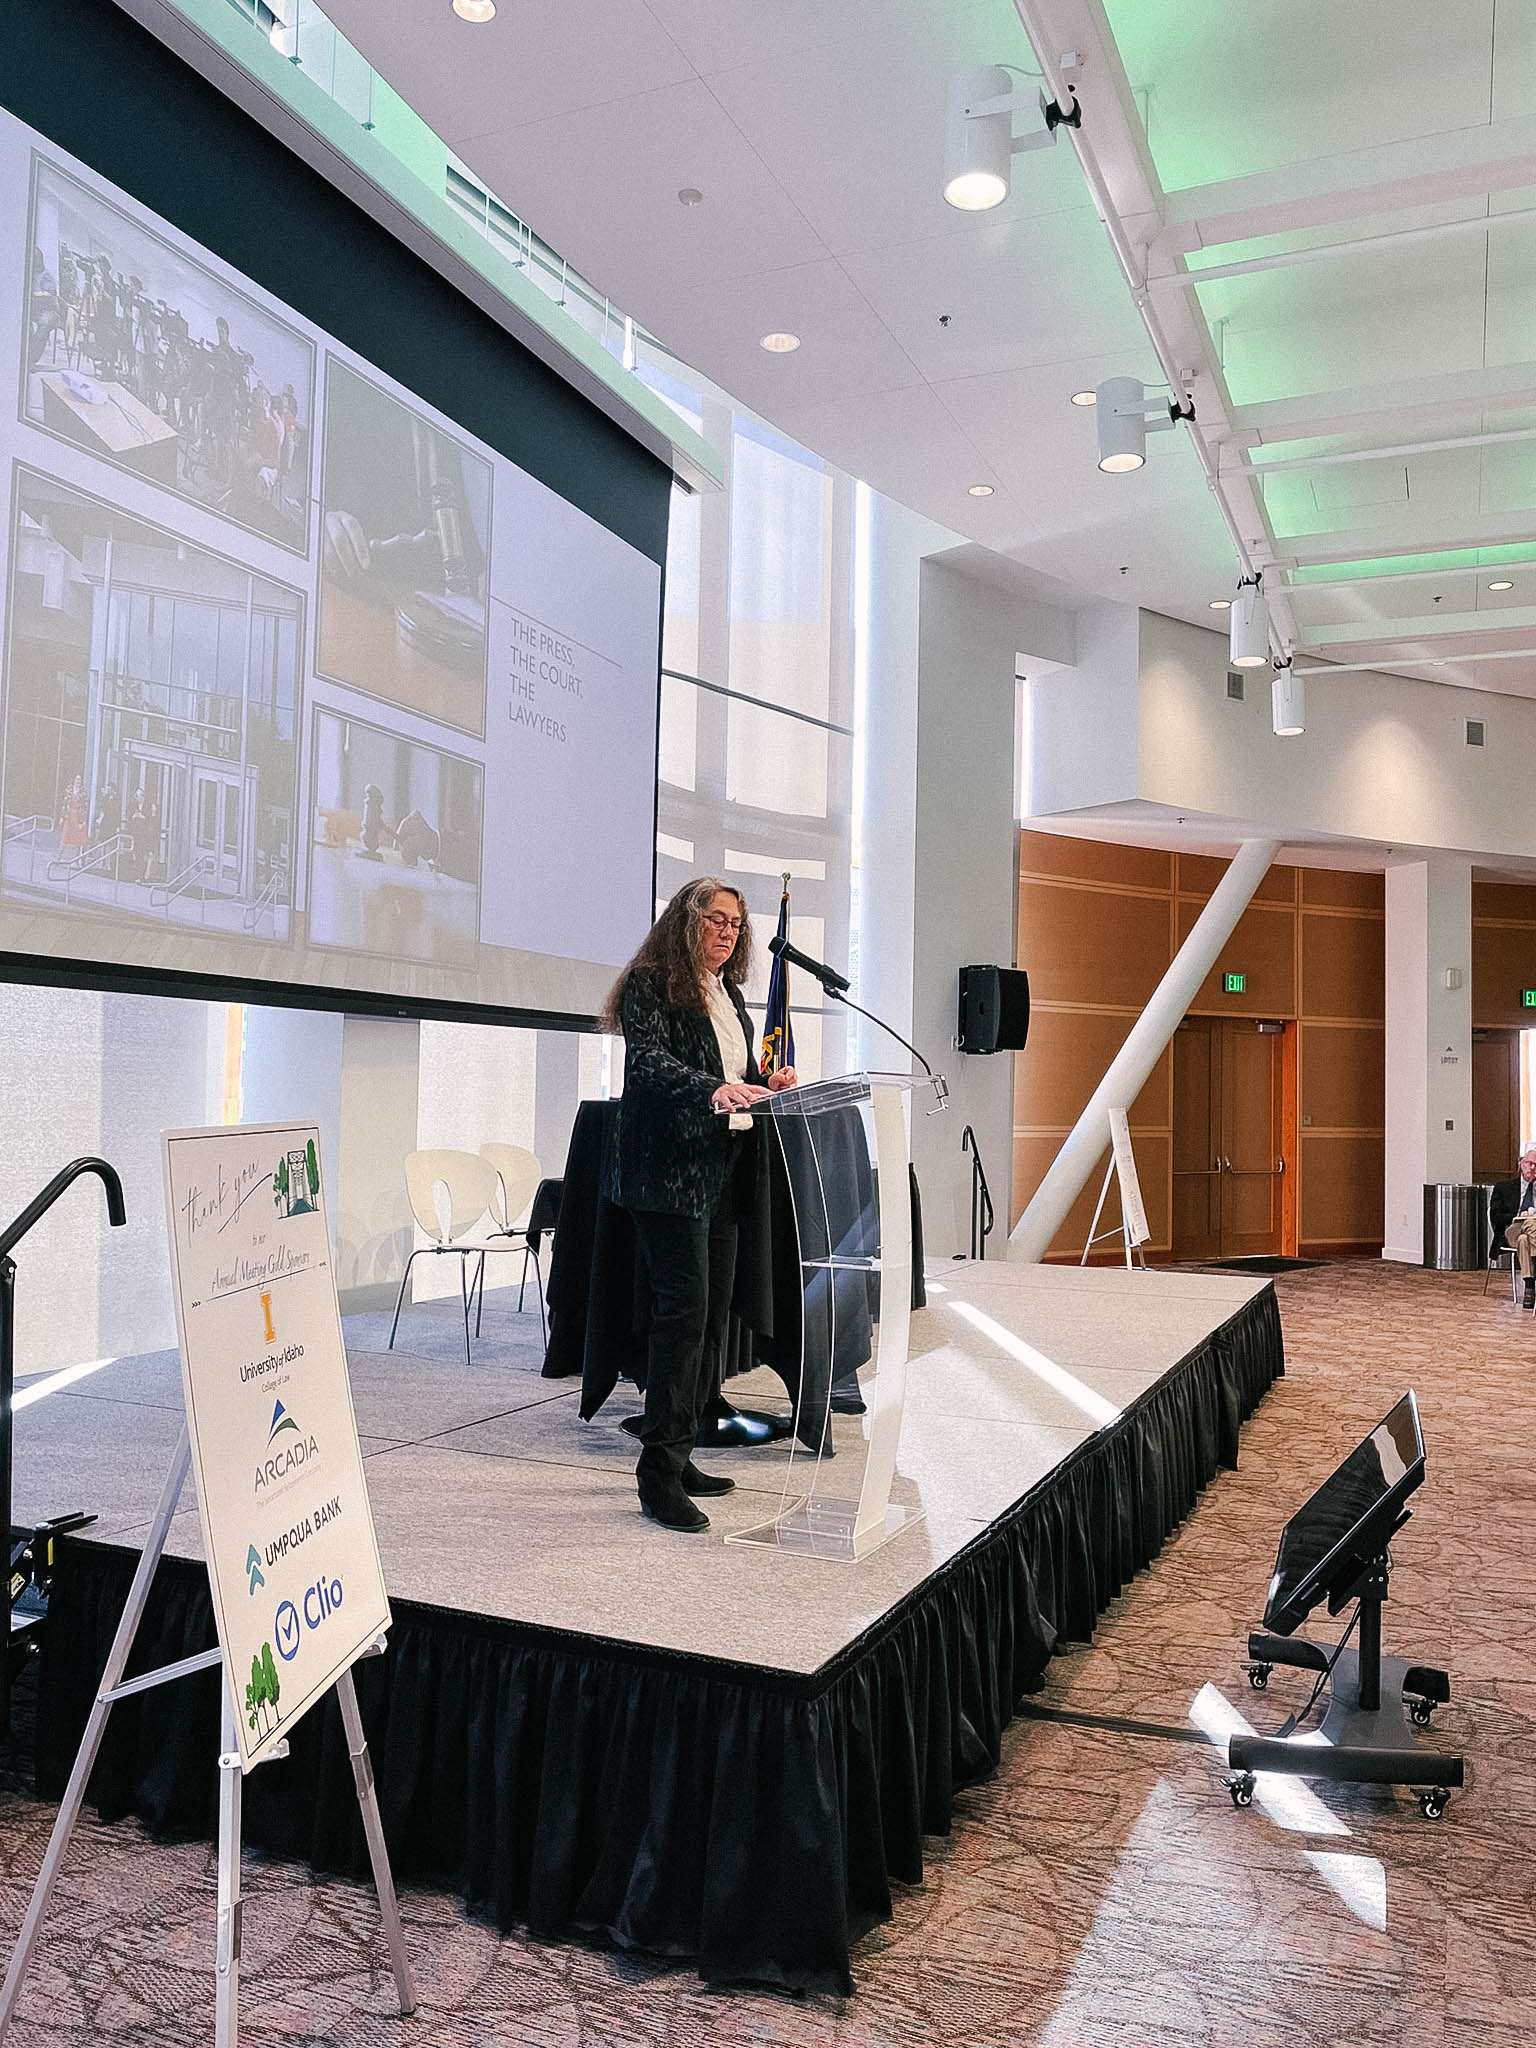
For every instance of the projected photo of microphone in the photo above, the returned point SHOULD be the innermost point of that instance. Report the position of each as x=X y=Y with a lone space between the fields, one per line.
x=403 y=570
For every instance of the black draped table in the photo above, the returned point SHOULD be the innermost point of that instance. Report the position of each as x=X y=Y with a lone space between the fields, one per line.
x=747 y=1818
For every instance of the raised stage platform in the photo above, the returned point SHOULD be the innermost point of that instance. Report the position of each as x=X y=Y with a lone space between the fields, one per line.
x=593 y=1726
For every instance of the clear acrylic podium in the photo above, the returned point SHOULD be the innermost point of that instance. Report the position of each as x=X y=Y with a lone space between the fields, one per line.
x=844 y=1147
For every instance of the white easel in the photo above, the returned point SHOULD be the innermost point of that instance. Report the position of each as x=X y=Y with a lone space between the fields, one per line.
x=115 y=1687
x=1132 y=1227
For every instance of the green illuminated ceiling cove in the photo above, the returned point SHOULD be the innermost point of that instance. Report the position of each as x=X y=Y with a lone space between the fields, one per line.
x=1398 y=565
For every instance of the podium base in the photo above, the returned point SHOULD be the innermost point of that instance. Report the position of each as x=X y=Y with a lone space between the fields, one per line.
x=829 y=1529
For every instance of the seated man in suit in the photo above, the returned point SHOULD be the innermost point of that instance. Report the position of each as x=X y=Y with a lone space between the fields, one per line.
x=1512 y=1215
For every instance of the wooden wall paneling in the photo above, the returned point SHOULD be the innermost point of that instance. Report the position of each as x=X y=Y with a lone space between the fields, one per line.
x=1097 y=946
x=1056 y=855
x=1503 y=963
x=1068 y=1055
x=1341 y=889
x=1290 y=1071
x=1495 y=1104
x=1343 y=964
x=1343 y=1080
x=1341 y=1193
x=1505 y=902
x=1263 y=949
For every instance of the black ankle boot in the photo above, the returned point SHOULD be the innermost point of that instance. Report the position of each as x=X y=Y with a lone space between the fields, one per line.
x=670 y=1506
x=696 y=1482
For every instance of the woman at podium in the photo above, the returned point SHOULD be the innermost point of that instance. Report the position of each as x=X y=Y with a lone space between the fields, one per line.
x=683 y=1166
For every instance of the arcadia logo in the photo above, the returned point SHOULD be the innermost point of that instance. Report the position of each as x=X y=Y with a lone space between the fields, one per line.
x=288 y=1450
x=281 y=1420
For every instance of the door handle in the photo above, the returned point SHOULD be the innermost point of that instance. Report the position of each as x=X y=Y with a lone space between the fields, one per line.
x=1280 y=1164
x=1226 y=1165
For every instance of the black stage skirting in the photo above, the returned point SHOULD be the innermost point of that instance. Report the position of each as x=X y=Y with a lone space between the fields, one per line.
x=751 y=1821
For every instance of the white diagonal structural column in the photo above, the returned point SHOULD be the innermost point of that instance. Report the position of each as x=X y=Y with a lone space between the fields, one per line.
x=1088 y=1140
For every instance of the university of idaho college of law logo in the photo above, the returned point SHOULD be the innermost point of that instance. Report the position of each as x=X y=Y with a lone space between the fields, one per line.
x=288 y=1448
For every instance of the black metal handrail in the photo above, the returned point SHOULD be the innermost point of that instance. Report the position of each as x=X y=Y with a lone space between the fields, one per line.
x=982 y=1214
x=9 y=1237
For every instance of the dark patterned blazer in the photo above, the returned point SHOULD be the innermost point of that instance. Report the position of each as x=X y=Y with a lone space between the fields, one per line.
x=673 y=1152
x=1503 y=1208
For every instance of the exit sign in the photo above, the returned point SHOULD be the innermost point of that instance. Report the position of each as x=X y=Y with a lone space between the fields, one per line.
x=1234 y=984
x=1528 y=999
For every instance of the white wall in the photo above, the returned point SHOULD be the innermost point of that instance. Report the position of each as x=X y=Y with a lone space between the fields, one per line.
x=1083 y=719
x=378 y=1123
x=965 y=853
x=1429 y=1043
x=290 y=1070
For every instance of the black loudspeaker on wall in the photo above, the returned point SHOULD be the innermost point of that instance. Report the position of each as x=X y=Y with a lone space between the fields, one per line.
x=994 y=1009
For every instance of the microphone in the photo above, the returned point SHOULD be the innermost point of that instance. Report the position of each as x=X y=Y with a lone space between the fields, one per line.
x=833 y=982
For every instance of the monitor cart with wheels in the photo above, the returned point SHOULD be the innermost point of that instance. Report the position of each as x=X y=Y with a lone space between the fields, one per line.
x=1336 y=1548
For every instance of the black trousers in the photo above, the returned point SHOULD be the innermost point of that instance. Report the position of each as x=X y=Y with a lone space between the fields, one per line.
x=690 y=1263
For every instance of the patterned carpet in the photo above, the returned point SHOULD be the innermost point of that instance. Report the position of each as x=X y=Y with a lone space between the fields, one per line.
x=1101 y=1891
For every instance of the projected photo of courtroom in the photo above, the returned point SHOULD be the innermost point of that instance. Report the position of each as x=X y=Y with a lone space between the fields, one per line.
x=148 y=361
x=395 y=856
x=404 y=572
x=150 y=703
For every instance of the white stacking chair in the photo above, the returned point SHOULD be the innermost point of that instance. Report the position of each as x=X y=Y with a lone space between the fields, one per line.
x=518 y=1174
x=470 y=1186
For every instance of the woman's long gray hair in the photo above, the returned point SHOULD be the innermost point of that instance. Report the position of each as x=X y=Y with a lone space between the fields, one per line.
x=673 y=950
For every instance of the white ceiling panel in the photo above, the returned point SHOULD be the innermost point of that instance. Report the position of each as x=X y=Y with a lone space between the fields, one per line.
x=1016 y=292
x=721 y=35
x=601 y=185
x=529 y=64
x=845 y=349
x=857 y=135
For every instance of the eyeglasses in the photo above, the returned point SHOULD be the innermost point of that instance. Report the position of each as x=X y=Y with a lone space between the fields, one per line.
x=721 y=922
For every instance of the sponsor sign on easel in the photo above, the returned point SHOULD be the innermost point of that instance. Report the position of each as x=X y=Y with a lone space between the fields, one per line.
x=1131 y=1205
x=293 y=1564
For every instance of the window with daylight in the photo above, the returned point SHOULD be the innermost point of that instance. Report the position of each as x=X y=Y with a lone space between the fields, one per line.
x=756 y=761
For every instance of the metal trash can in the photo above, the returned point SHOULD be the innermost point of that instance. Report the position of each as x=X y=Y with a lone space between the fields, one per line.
x=1455 y=1227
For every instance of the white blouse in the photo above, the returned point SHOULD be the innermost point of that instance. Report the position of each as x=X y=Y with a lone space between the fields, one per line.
x=730 y=1038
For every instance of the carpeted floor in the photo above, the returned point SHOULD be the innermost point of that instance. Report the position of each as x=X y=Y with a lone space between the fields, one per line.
x=1101 y=1891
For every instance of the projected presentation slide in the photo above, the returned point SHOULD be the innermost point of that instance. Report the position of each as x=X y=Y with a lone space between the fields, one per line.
x=302 y=682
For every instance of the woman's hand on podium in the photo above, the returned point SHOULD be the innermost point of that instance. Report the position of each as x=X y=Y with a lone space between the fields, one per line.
x=784 y=1078
x=737 y=1095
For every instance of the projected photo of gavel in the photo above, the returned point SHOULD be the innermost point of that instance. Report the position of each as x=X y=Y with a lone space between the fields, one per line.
x=403 y=574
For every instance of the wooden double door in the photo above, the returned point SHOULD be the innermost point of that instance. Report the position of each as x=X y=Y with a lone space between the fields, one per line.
x=1228 y=1139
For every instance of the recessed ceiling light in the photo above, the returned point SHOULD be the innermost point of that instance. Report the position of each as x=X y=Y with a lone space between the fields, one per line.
x=1085 y=398
x=1503 y=585
x=1220 y=604
x=474 y=10
x=690 y=196
x=779 y=344
x=979 y=491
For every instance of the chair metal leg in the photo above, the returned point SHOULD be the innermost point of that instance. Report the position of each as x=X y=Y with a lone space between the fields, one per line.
x=523 y=1282
x=480 y=1283
x=538 y=1275
x=464 y=1258
x=400 y=1297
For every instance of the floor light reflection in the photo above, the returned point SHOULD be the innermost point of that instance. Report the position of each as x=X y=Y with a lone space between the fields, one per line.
x=1360 y=1881
x=1080 y=1395
x=55 y=1382
x=1286 y=1800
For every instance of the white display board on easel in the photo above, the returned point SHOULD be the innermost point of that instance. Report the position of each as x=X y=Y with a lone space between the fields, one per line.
x=293 y=1567
x=1132 y=1228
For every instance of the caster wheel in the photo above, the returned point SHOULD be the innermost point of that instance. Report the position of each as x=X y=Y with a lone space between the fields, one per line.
x=1433 y=1804
x=1241 y=1789
x=1420 y=1711
x=1258 y=1676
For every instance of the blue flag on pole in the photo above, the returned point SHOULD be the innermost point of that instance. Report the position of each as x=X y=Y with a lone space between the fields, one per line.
x=778 y=1032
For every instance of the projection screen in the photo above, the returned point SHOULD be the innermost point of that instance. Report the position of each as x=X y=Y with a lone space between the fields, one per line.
x=303 y=684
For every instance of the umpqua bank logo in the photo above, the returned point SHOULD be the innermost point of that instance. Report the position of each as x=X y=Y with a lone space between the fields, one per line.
x=289 y=1448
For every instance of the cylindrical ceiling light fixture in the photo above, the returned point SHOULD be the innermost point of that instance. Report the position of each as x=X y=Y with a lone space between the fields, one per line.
x=1122 y=421
x=978 y=149
x=1288 y=702
x=1248 y=624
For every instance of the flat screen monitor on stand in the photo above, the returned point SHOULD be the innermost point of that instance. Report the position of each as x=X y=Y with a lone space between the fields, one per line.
x=1334 y=1549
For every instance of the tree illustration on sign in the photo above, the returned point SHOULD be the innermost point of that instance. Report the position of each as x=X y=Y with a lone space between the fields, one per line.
x=280 y=1183
x=312 y=1170
x=263 y=1690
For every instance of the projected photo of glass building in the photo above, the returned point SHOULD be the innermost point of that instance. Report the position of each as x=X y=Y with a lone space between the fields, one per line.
x=150 y=696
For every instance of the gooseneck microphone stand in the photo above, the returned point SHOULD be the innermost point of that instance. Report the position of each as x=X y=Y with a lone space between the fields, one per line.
x=38 y=1206
x=940 y=1085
